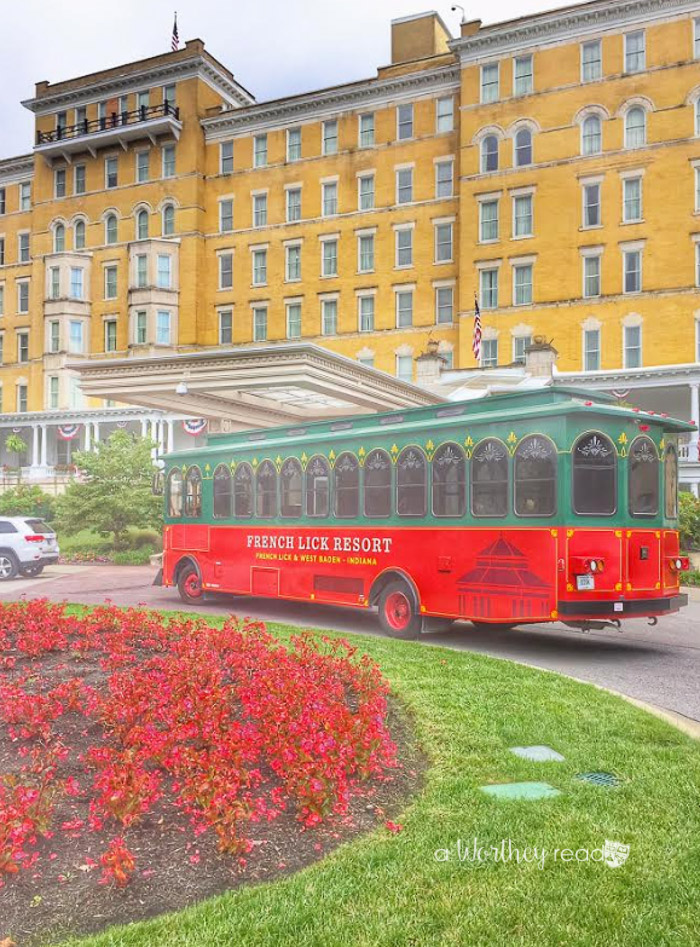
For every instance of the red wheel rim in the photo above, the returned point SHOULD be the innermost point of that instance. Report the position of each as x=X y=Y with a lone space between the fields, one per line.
x=397 y=611
x=192 y=587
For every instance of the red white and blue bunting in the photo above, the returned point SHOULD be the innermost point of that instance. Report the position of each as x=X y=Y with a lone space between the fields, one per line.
x=194 y=426
x=67 y=432
x=621 y=393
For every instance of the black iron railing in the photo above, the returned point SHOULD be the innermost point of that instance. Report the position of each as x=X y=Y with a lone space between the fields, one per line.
x=114 y=120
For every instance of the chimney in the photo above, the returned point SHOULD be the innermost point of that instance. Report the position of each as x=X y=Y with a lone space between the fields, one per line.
x=540 y=358
x=429 y=365
x=418 y=37
x=470 y=28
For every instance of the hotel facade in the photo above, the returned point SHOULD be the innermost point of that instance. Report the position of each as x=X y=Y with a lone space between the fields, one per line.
x=548 y=165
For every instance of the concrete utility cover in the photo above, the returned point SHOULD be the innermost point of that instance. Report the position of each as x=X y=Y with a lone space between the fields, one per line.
x=538 y=754
x=520 y=790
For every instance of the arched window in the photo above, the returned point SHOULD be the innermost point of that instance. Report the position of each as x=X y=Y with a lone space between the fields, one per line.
x=697 y=117
x=347 y=486
x=266 y=489
x=243 y=491
x=523 y=148
x=223 y=489
x=535 y=477
x=59 y=238
x=489 y=479
x=175 y=493
x=592 y=135
x=643 y=476
x=111 y=228
x=595 y=475
x=449 y=481
x=291 y=482
x=79 y=235
x=489 y=154
x=193 y=492
x=168 y=220
x=411 y=482
x=377 y=492
x=318 y=481
x=635 y=128
x=671 y=482
x=142 y=225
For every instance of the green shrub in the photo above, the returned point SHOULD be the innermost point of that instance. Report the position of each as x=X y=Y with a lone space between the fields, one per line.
x=138 y=538
x=84 y=543
x=25 y=500
x=690 y=578
x=133 y=557
x=689 y=521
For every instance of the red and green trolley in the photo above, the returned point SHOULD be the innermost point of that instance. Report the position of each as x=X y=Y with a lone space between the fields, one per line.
x=541 y=506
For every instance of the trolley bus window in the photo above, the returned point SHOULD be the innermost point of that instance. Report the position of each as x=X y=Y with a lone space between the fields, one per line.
x=193 y=492
x=347 y=486
x=377 y=499
x=449 y=481
x=489 y=477
x=411 y=482
x=222 y=492
x=175 y=493
x=595 y=475
x=266 y=484
x=644 y=478
x=291 y=481
x=243 y=491
x=318 y=481
x=671 y=478
x=535 y=477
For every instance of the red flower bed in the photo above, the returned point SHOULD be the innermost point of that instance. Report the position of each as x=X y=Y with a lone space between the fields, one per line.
x=112 y=717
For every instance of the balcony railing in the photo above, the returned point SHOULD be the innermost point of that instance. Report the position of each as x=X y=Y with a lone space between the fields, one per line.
x=112 y=121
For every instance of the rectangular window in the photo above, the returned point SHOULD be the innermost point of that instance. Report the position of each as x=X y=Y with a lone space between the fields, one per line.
x=143 y=99
x=53 y=392
x=23 y=247
x=696 y=38
x=697 y=264
x=3 y=201
x=225 y=271
x=22 y=346
x=522 y=284
x=591 y=350
x=141 y=327
x=444 y=305
x=330 y=137
x=404 y=247
x=365 y=185
x=293 y=144
x=77 y=288
x=522 y=75
x=2 y=299
x=110 y=282
x=2 y=359
x=591 y=276
x=23 y=296
x=404 y=367
x=143 y=166
x=404 y=309
x=445 y=114
x=259 y=267
x=293 y=263
x=488 y=288
x=79 y=179
x=54 y=282
x=522 y=216
x=404 y=185
x=293 y=204
x=697 y=198
x=260 y=324
x=111 y=172
x=164 y=271
x=591 y=205
x=21 y=399
x=76 y=337
x=168 y=156
x=169 y=95
x=260 y=151
x=225 y=326
x=54 y=336
x=365 y=246
x=2 y=251
x=293 y=320
x=330 y=199
x=635 y=51
x=404 y=122
x=366 y=313
x=141 y=271
x=226 y=216
x=162 y=328
x=443 y=243
x=329 y=258
x=59 y=182
x=329 y=316
x=444 y=179
x=488 y=221
x=632 y=200
x=490 y=83
x=226 y=157
x=25 y=195
x=260 y=210
x=489 y=353
x=110 y=335
x=591 y=61
x=520 y=346
x=632 y=271
x=633 y=347
x=367 y=130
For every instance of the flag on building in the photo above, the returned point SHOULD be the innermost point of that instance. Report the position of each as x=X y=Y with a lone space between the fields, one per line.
x=476 y=341
x=175 y=42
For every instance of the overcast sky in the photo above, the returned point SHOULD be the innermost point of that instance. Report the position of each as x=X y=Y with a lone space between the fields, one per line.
x=274 y=48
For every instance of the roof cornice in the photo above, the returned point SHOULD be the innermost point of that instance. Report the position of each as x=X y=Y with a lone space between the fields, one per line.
x=16 y=169
x=561 y=25
x=327 y=101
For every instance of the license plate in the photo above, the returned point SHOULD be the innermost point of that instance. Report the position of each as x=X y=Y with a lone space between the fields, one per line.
x=585 y=582
x=619 y=607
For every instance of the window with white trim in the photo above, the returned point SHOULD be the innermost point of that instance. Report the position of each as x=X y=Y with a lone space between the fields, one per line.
x=591 y=60
x=168 y=161
x=23 y=244
x=443 y=243
x=2 y=299
x=329 y=316
x=111 y=172
x=635 y=128
x=490 y=82
x=365 y=192
x=444 y=305
x=143 y=166
x=592 y=135
x=697 y=190
x=522 y=75
x=520 y=345
x=292 y=263
x=110 y=335
x=142 y=225
x=366 y=313
x=404 y=247
x=404 y=308
x=111 y=226
x=79 y=235
x=697 y=264
x=141 y=327
x=329 y=199
x=366 y=360
x=696 y=38
x=365 y=253
x=632 y=267
x=631 y=200
x=163 y=327
x=164 y=271
x=591 y=205
x=522 y=215
x=260 y=210
x=259 y=267
x=23 y=296
x=23 y=346
x=259 y=323
x=167 y=223
x=404 y=185
x=591 y=275
x=293 y=204
x=293 y=320
x=79 y=180
x=225 y=326
x=225 y=270
x=77 y=287
x=488 y=288
x=25 y=195
x=445 y=114
x=260 y=151
x=635 y=51
x=366 y=130
x=59 y=182
x=404 y=367
x=22 y=399
x=329 y=139
x=633 y=346
x=444 y=179
x=329 y=258
x=489 y=154
x=522 y=284
x=54 y=336
x=225 y=157
x=293 y=144
x=488 y=221
x=404 y=122
x=110 y=282
x=697 y=117
x=591 y=350
x=489 y=353
x=522 y=147
x=54 y=282
x=53 y=392
x=226 y=215
x=76 y=337
x=141 y=271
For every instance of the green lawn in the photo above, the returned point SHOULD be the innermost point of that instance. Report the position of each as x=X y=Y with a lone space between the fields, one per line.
x=388 y=889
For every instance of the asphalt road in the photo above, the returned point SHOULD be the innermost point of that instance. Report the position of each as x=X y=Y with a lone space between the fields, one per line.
x=659 y=665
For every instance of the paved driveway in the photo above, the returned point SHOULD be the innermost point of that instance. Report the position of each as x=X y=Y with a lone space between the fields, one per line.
x=658 y=665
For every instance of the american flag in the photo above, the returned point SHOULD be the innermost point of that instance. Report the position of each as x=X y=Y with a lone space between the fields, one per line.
x=476 y=341
x=175 y=41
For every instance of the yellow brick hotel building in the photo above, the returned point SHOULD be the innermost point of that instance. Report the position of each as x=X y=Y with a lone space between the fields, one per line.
x=549 y=165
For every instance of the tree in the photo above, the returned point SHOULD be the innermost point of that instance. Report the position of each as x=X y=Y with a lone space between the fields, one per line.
x=113 y=491
x=689 y=521
x=15 y=445
x=26 y=500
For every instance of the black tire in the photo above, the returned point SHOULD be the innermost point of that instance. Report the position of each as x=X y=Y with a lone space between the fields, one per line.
x=31 y=571
x=398 y=614
x=9 y=565
x=189 y=585
x=493 y=626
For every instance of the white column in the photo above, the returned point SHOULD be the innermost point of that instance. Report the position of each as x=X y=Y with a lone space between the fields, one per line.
x=694 y=452
x=153 y=434
x=144 y=427
x=88 y=432
x=44 y=445
x=171 y=436
x=161 y=436
x=96 y=431
x=35 y=445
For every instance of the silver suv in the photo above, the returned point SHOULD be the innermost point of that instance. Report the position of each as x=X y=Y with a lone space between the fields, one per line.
x=27 y=544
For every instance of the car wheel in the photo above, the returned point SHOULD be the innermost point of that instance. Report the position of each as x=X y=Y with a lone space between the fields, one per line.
x=31 y=571
x=9 y=566
x=189 y=585
x=397 y=612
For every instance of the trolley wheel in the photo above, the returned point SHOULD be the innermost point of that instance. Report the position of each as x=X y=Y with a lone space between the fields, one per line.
x=189 y=585
x=397 y=612
x=31 y=571
x=493 y=625
x=9 y=566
